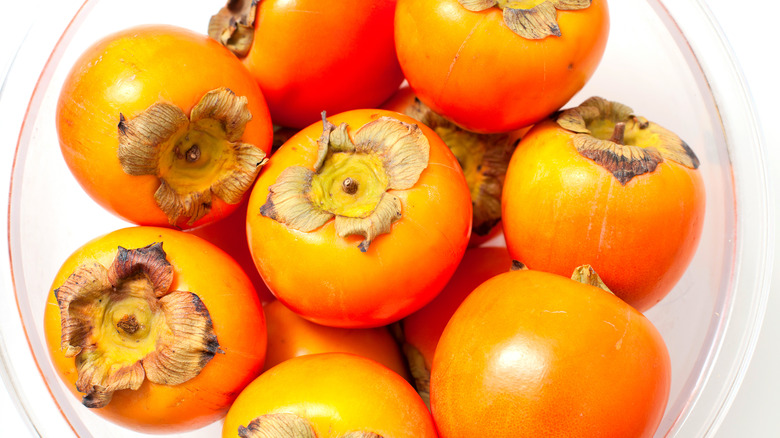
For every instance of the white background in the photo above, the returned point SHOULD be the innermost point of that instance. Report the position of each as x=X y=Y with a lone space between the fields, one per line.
x=750 y=29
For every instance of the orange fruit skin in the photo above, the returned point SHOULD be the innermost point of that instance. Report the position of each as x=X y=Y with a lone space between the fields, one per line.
x=561 y=210
x=532 y=354
x=290 y=336
x=327 y=279
x=338 y=393
x=236 y=314
x=126 y=73
x=311 y=56
x=423 y=328
x=472 y=69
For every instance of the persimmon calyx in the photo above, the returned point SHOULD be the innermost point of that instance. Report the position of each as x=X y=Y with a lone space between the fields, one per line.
x=122 y=325
x=234 y=26
x=286 y=425
x=420 y=372
x=195 y=158
x=484 y=159
x=351 y=180
x=531 y=19
x=625 y=144
x=585 y=274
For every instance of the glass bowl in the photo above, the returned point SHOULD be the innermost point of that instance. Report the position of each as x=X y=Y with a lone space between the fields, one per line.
x=667 y=60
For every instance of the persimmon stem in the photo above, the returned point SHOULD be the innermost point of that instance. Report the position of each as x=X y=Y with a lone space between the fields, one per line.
x=193 y=154
x=350 y=186
x=128 y=324
x=619 y=133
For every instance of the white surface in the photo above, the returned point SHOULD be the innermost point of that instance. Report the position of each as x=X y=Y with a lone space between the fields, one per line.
x=755 y=410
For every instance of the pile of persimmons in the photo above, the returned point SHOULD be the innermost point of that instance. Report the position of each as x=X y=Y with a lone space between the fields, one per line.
x=370 y=219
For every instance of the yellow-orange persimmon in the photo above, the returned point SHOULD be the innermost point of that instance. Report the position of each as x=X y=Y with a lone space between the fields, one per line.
x=531 y=354
x=310 y=56
x=359 y=220
x=163 y=329
x=631 y=205
x=163 y=126
x=469 y=66
x=329 y=395
x=423 y=328
x=290 y=336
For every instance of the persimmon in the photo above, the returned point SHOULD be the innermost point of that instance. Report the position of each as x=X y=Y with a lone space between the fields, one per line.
x=162 y=126
x=530 y=354
x=483 y=158
x=600 y=185
x=329 y=395
x=494 y=66
x=422 y=329
x=311 y=56
x=345 y=211
x=154 y=329
x=290 y=336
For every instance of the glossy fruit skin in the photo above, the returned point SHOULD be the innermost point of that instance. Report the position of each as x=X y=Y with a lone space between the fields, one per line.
x=311 y=56
x=562 y=210
x=423 y=328
x=237 y=318
x=472 y=69
x=126 y=73
x=338 y=393
x=327 y=279
x=290 y=336
x=532 y=354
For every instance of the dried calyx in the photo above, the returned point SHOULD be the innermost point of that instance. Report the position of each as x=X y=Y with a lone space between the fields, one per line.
x=531 y=19
x=123 y=325
x=484 y=159
x=234 y=25
x=286 y=425
x=351 y=180
x=195 y=158
x=585 y=274
x=626 y=145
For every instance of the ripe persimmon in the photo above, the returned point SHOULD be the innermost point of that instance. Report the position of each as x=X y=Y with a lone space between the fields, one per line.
x=599 y=185
x=162 y=126
x=422 y=329
x=531 y=354
x=290 y=336
x=359 y=220
x=311 y=56
x=494 y=66
x=154 y=329
x=329 y=395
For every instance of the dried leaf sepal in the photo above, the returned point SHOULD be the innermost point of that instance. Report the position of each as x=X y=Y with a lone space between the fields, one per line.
x=484 y=159
x=196 y=158
x=531 y=19
x=122 y=325
x=585 y=274
x=286 y=425
x=234 y=26
x=350 y=180
x=625 y=144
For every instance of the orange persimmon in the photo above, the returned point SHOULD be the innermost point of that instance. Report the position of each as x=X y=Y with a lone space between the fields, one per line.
x=329 y=395
x=532 y=354
x=154 y=329
x=423 y=328
x=290 y=336
x=162 y=126
x=347 y=209
x=311 y=56
x=472 y=68
x=600 y=186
